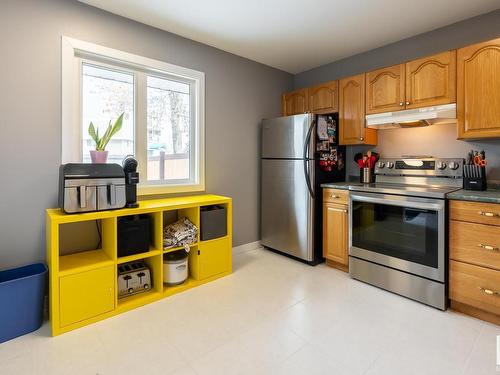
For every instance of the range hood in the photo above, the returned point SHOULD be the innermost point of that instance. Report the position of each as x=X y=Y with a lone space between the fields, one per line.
x=413 y=117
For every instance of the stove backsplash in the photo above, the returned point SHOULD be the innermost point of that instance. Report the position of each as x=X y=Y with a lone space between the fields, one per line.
x=436 y=140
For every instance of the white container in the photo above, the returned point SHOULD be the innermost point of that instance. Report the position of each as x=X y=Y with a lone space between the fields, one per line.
x=175 y=267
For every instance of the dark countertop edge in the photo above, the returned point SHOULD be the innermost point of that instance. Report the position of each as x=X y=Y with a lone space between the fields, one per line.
x=487 y=196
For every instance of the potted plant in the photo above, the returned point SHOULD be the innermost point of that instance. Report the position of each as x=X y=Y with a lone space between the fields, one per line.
x=100 y=155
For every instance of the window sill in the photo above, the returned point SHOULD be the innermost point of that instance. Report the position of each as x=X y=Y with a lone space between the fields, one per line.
x=145 y=190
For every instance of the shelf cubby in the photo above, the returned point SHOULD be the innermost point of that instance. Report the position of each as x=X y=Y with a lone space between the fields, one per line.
x=86 y=245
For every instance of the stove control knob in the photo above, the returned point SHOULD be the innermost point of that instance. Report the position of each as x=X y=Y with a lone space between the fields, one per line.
x=441 y=165
x=390 y=165
x=381 y=164
x=453 y=165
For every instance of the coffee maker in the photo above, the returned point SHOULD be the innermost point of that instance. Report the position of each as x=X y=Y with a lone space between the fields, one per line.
x=129 y=165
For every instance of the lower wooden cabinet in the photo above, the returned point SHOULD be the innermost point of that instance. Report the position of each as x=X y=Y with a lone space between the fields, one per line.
x=474 y=280
x=476 y=287
x=86 y=295
x=336 y=235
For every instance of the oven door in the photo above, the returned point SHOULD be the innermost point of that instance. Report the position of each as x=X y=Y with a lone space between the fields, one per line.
x=405 y=233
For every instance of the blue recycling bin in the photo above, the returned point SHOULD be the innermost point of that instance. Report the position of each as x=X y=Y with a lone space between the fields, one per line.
x=22 y=292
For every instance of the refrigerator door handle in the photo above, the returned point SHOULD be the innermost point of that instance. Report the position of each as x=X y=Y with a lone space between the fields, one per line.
x=306 y=158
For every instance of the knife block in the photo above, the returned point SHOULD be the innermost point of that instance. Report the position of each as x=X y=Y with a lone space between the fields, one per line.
x=475 y=178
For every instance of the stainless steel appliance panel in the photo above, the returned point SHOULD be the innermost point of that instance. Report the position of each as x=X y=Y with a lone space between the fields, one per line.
x=437 y=250
x=110 y=197
x=80 y=198
x=284 y=137
x=287 y=209
x=418 y=288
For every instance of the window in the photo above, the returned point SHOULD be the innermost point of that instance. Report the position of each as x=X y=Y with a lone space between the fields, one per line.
x=163 y=108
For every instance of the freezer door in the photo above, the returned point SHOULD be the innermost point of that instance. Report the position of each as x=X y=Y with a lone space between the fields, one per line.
x=283 y=137
x=287 y=209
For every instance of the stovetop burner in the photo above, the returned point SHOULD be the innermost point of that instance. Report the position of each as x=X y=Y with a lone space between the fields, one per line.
x=420 y=177
x=405 y=189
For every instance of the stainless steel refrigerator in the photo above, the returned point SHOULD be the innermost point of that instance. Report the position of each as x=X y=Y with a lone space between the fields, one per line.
x=298 y=155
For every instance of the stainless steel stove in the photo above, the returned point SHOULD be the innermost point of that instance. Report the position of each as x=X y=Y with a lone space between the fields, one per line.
x=398 y=227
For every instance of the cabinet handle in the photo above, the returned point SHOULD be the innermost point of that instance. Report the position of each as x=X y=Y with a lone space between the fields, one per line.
x=361 y=139
x=334 y=196
x=487 y=247
x=401 y=103
x=488 y=214
x=337 y=209
x=407 y=103
x=489 y=291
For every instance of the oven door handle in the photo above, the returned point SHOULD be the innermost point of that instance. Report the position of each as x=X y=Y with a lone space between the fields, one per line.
x=399 y=201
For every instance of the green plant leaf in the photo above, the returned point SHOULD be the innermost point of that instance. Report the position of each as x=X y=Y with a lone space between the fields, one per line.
x=93 y=133
x=111 y=130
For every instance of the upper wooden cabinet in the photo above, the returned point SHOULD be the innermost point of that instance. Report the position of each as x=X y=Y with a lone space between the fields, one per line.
x=478 y=90
x=385 y=89
x=295 y=102
x=431 y=80
x=352 y=113
x=324 y=98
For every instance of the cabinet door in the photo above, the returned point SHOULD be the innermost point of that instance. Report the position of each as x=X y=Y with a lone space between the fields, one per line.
x=352 y=112
x=478 y=90
x=335 y=233
x=385 y=89
x=212 y=258
x=295 y=102
x=431 y=80
x=87 y=294
x=324 y=98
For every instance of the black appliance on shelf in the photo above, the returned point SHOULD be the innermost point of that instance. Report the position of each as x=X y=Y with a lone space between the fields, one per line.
x=131 y=180
x=134 y=234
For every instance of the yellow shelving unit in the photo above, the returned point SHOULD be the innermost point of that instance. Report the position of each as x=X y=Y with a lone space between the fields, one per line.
x=83 y=285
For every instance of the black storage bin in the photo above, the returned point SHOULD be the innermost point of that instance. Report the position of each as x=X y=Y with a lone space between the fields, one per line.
x=134 y=234
x=213 y=222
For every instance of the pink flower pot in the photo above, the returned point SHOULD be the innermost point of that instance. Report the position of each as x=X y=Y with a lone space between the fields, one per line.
x=98 y=156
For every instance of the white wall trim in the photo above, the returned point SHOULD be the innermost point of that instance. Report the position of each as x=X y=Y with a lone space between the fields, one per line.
x=72 y=51
x=246 y=247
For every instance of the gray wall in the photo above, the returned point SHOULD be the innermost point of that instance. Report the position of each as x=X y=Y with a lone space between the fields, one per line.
x=437 y=141
x=239 y=93
x=460 y=34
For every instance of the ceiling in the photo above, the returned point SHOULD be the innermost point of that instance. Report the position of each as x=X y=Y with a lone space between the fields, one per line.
x=296 y=35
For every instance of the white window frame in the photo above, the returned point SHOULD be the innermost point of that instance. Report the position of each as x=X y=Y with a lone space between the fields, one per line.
x=74 y=52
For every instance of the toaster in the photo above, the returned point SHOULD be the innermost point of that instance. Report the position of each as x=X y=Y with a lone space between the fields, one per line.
x=133 y=278
x=91 y=187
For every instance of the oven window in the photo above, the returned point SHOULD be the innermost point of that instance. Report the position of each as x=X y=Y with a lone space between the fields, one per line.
x=405 y=233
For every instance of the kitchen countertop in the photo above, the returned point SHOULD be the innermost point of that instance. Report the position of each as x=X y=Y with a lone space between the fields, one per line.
x=487 y=196
x=338 y=185
x=492 y=195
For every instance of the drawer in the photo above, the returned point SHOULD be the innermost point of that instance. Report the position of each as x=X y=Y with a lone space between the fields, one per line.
x=336 y=196
x=475 y=286
x=475 y=243
x=475 y=212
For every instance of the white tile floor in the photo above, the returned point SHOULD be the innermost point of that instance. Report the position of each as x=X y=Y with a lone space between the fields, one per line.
x=273 y=315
